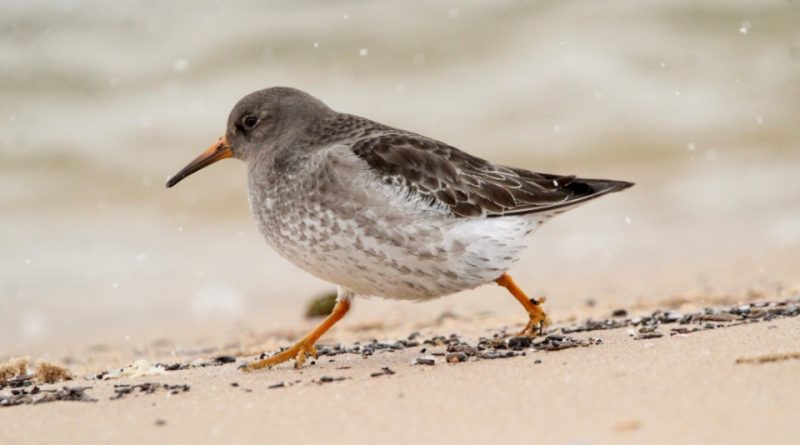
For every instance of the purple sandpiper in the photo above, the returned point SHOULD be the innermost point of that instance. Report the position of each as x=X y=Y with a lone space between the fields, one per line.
x=384 y=212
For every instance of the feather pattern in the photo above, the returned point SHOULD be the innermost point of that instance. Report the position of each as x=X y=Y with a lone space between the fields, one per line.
x=467 y=185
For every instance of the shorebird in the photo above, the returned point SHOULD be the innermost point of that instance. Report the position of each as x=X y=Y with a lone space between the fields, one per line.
x=381 y=211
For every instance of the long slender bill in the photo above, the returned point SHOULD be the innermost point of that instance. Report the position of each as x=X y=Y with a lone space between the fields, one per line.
x=220 y=150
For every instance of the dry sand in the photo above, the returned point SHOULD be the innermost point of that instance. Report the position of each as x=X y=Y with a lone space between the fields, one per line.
x=732 y=384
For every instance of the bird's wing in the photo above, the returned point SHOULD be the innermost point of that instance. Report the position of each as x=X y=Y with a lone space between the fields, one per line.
x=469 y=186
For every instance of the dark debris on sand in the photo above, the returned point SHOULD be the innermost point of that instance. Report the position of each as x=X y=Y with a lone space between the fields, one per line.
x=328 y=379
x=384 y=371
x=36 y=395
x=122 y=390
x=708 y=318
x=454 y=349
x=20 y=381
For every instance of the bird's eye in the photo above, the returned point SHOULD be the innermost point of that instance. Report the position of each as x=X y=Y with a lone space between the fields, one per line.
x=249 y=122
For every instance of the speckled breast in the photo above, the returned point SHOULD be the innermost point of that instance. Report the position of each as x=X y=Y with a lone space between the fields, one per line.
x=359 y=236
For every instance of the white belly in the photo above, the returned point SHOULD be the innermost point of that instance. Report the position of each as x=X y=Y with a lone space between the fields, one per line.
x=417 y=260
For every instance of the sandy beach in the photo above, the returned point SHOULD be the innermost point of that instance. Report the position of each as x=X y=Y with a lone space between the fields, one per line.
x=724 y=383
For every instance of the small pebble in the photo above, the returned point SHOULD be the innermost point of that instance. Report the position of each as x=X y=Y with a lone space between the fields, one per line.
x=648 y=336
x=425 y=360
x=517 y=343
x=384 y=371
x=456 y=357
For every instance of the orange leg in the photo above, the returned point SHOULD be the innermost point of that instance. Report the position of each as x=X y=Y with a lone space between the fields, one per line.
x=538 y=319
x=305 y=346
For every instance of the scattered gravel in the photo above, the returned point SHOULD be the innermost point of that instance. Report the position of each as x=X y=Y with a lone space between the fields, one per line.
x=122 y=390
x=36 y=395
x=708 y=318
x=561 y=342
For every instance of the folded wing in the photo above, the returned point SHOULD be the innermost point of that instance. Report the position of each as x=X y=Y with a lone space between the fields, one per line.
x=469 y=186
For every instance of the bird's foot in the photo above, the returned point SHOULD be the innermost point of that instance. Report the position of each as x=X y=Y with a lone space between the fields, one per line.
x=298 y=352
x=305 y=346
x=538 y=319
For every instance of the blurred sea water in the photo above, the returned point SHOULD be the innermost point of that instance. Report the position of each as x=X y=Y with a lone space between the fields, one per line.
x=697 y=102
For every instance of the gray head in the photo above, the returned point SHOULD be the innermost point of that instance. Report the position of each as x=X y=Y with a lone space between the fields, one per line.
x=260 y=123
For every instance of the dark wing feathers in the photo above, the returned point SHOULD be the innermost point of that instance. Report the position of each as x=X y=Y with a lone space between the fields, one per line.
x=469 y=186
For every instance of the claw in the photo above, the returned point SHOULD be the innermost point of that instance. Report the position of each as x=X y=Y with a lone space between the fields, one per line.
x=538 y=319
x=537 y=322
x=298 y=352
x=305 y=346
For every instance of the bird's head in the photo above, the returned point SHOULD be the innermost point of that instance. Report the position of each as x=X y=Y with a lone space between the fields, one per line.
x=260 y=123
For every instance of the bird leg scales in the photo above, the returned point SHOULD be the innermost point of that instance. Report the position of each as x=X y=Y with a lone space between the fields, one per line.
x=538 y=318
x=305 y=347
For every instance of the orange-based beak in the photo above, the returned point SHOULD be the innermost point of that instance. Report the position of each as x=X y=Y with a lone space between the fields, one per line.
x=220 y=150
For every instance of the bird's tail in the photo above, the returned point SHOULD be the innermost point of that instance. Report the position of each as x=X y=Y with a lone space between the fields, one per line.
x=577 y=190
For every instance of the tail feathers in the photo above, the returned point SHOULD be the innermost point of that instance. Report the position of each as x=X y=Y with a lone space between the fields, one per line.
x=577 y=191
x=588 y=187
